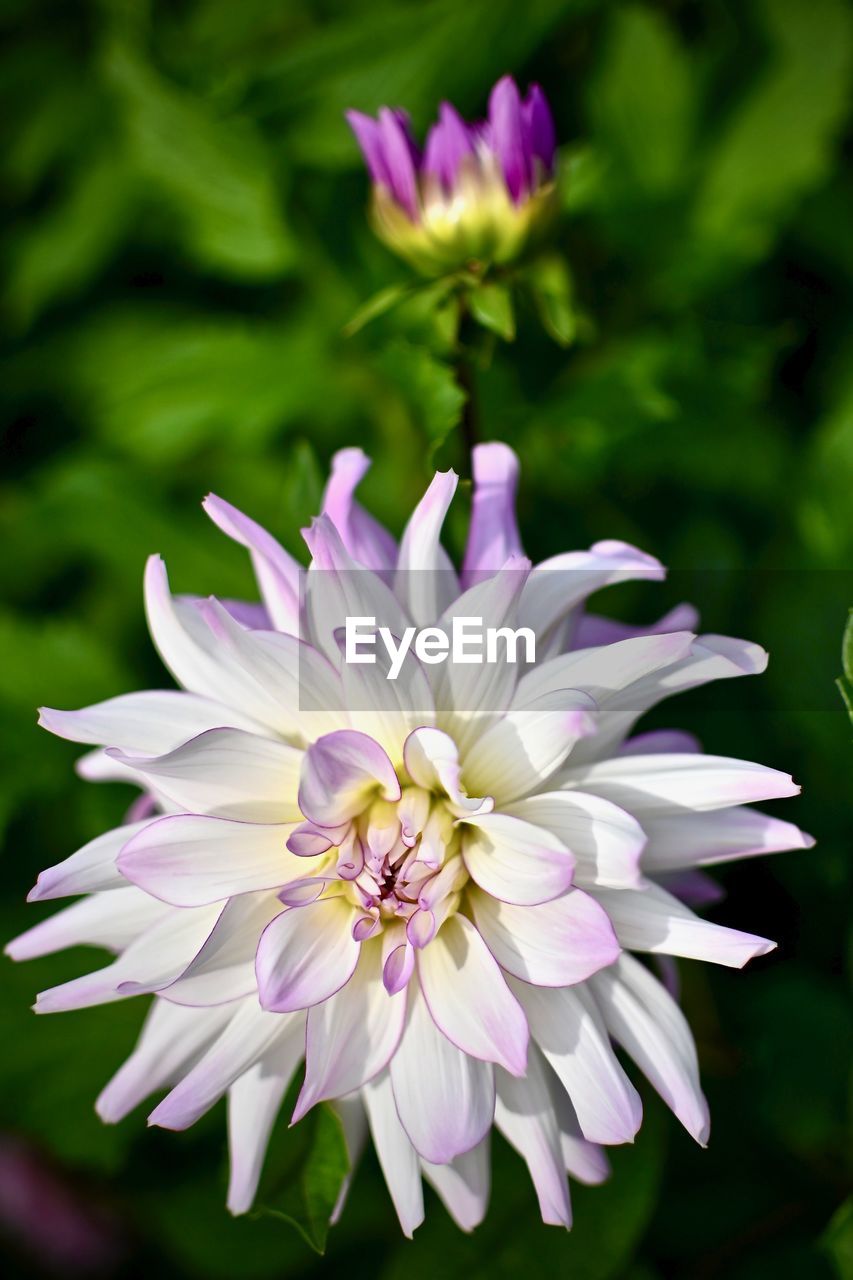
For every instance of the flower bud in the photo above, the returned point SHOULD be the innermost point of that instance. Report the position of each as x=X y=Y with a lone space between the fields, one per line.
x=479 y=194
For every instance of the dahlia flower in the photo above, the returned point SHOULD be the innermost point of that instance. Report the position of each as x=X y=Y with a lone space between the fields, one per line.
x=432 y=891
x=479 y=194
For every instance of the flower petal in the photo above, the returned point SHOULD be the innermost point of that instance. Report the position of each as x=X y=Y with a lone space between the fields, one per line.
x=493 y=535
x=568 y=1028
x=702 y=839
x=646 y=1021
x=144 y=723
x=514 y=860
x=340 y=774
x=445 y=1099
x=112 y=919
x=352 y=1035
x=224 y=968
x=248 y=1037
x=425 y=579
x=188 y=859
x=651 y=919
x=656 y=784
x=364 y=538
x=468 y=998
x=463 y=1184
x=171 y=1039
x=226 y=773
x=524 y=1113
x=606 y=842
x=254 y=1101
x=154 y=959
x=89 y=870
x=277 y=572
x=523 y=749
x=305 y=955
x=553 y=945
x=397 y=1156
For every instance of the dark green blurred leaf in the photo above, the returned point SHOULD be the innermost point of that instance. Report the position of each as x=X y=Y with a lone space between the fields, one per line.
x=551 y=285
x=778 y=141
x=838 y=1240
x=428 y=386
x=159 y=383
x=845 y=682
x=214 y=174
x=645 y=117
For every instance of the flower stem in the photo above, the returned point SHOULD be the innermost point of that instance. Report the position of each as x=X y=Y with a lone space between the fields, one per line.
x=465 y=378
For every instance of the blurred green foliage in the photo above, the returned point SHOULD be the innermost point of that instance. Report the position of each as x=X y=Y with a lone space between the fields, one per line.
x=184 y=246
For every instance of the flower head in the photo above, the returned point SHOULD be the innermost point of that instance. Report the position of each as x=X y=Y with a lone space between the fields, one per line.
x=479 y=194
x=431 y=889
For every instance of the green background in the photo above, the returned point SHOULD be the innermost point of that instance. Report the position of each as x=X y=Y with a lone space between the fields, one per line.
x=185 y=241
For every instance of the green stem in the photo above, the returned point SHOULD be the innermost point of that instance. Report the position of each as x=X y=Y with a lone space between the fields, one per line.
x=466 y=380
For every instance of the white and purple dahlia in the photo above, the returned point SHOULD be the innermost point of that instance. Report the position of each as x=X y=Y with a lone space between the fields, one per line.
x=431 y=891
x=479 y=193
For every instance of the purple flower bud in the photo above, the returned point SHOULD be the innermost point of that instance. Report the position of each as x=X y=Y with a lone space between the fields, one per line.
x=447 y=145
x=509 y=136
x=479 y=193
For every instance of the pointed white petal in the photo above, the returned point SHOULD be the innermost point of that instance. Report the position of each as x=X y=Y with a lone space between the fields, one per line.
x=352 y=1035
x=646 y=1021
x=249 y=1037
x=148 y=723
x=654 y=785
x=468 y=998
x=425 y=580
x=568 y=1028
x=171 y=1040
x=89 y=870
x=227 y=773
x=524 y=1113
x=651 y=919
x=276 y=571
x=445 y=1099
x=679 y=840
x=606 y=842
x=397 y=1156
x=463 y=1185
x=188 y=859
x=254 y=1101
x=111 y=919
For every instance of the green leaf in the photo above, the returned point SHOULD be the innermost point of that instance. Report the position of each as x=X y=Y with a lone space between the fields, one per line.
x=551 y=286
x=383 y=301
x=213 y=174
x=491 y=306
x=54 y=661
x=60 y=252
x=305 y=1170
x=643 y=102
x=161 y=382
x=779 y=142
x=845 y=681
x=838 y=1240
